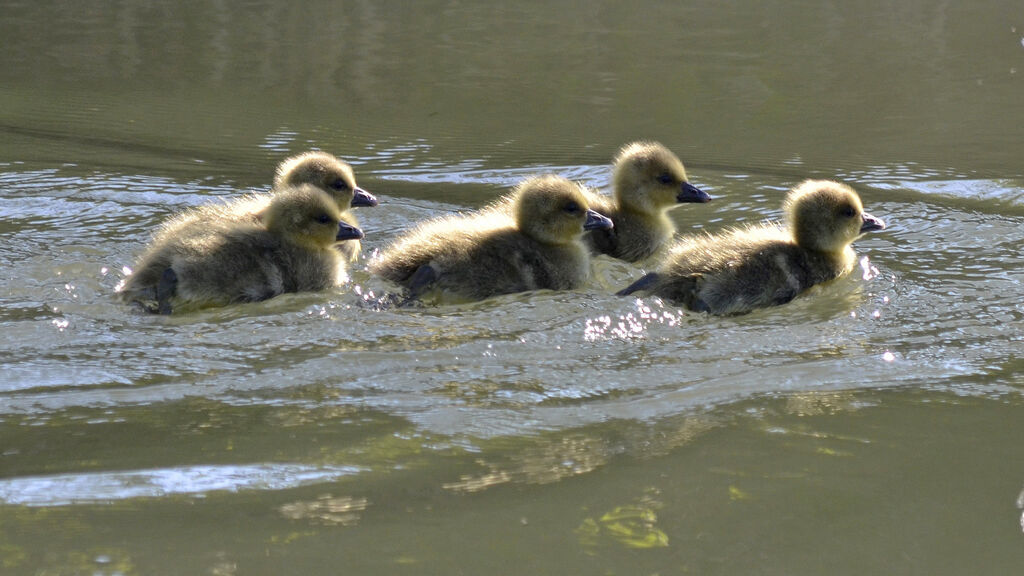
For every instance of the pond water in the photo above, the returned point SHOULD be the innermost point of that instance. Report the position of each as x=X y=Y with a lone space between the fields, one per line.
x=875 y=426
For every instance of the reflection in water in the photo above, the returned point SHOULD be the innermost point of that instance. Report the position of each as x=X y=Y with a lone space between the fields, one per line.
x=631 y=525
x=95 y=562
x=549 y=459
x=817 y=403
x=1020 y=505
x=480 y=482
x=65 y=489
x=223 y=566
x=544 y=462
x=327 y=510
x=289 y=436
x=881 y=85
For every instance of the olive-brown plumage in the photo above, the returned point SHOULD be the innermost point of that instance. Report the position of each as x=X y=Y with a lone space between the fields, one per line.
x=319 y=169
x=291 y=249
x=648 y=180
x=765 y=265
x=487 y=253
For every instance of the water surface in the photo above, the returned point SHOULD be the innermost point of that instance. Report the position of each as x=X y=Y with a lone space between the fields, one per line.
x=870 y=427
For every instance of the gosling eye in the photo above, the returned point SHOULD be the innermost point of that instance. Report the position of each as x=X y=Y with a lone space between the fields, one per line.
x=338 y=184
x=847 y=212
x=572 y=208
x=666 y=178
x=323 y=219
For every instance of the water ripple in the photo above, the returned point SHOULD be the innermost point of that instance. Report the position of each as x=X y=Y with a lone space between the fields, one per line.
x=937 y=300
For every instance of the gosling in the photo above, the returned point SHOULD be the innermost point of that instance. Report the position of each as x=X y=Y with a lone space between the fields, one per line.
x=486 y=253
x=290 y=250
x=320 y=169
x=648 y=180
x=765 y=265
x=335 y=177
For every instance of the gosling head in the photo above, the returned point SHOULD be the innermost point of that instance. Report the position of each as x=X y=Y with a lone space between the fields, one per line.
x=650 y=179
x=553 y=210
x=307 y=216
x=827 y=216
x=327 y=173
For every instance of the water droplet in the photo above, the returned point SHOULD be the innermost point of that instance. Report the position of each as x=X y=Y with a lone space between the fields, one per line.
x=888 y=356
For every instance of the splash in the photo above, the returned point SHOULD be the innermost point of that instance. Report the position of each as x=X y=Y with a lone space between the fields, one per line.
x=631 y=325
x=869 y=271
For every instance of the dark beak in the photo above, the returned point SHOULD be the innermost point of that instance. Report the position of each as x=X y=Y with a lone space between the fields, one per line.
x=361 y=197
x=596 y=221
x=347 y=231
x=690 y=193
x=871 y=223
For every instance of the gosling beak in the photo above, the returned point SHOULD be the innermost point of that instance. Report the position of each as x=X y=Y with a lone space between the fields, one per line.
x=690 y=193
x=596 y=221
x=361 y=197
x=347 y=231
x=871 y=223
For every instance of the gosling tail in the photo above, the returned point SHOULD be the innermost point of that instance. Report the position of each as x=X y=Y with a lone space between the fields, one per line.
x=644 y=283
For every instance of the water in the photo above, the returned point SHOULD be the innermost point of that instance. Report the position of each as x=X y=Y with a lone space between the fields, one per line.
x=871 y=427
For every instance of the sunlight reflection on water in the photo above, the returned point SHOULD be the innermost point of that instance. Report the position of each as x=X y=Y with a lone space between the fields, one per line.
x=632 y=324
x=65 y=489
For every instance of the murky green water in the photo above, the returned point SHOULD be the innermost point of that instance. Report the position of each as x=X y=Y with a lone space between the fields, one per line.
x=874 y=427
